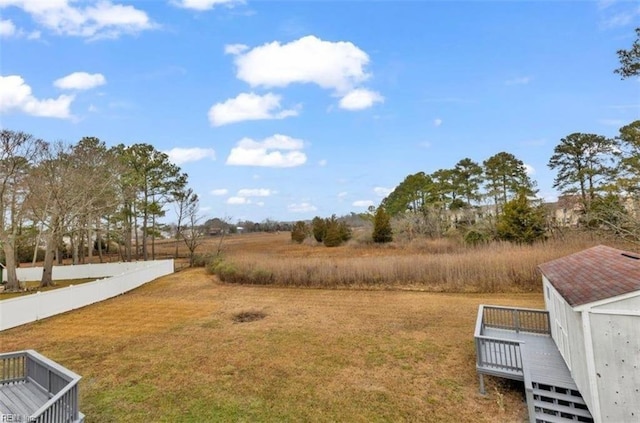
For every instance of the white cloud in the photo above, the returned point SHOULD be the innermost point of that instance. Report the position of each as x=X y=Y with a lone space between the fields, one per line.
x=322 y=162
x=437 y=122
x=301 y=208
x=276 y=141
x=80 y=81
x=180 y=155
x=611 y=122
x=255 y=192
x=206 y=4
x=248 y=106
x=529 y=169
x=235 y=49
x=98 y=19
x=331 y=65
x=604 y=4
x=342 y=195
x=219 y=191
x=362 y=203
x=17 y=96
x=238 y=200
x=522 y=80
x=7 y=28
x=275 y=151
x=359 y=99
x=620 y=17
x=382 y=191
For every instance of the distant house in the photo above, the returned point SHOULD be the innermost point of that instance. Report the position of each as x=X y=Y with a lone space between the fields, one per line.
x=593 y=299
x=579 y=358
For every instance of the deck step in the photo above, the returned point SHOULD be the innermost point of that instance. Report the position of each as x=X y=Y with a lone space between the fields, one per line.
x=549 y=418
x=557 y=409
x=558 y=395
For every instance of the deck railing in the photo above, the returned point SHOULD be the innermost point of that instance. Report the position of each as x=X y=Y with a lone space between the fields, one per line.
x=499 y=356
x=59 y=383
x=516 y=319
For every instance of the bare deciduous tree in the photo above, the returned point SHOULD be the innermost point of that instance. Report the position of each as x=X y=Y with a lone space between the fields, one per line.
x=18 y=153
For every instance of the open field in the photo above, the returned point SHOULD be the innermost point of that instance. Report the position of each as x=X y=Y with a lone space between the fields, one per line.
x=171 y=351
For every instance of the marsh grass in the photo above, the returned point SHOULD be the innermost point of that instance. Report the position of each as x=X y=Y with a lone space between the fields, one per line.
x=442 y=265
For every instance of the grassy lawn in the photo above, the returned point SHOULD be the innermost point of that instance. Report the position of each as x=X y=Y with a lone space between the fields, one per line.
x=172 y=351
x=33 y=287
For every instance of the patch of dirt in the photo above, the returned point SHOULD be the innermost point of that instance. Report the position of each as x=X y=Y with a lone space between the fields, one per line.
x=248 y=316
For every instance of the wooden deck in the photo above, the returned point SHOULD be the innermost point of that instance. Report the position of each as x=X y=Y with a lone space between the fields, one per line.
x=516 y=344
x=34 y=388
x=21 y=399
x=543 y=360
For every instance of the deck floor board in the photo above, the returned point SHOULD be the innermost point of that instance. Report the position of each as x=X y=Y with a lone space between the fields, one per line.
x=21 y=399
x=543 y=359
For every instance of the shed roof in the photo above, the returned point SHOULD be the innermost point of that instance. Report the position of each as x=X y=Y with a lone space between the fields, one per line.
x=595 y=274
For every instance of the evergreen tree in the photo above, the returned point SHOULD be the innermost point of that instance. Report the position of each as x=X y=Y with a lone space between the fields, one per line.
x=521 y=221
x=299 y=232
x=382 y=226
x=318 y=228
x=630 y=59
x=585 y=165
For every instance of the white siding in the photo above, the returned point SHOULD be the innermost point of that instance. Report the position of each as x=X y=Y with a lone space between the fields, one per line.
x=632 y=304
x=579 y=370
x=617 y=361
x=568 y=334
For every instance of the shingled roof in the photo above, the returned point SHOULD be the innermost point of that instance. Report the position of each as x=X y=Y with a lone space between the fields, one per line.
x=594 y=274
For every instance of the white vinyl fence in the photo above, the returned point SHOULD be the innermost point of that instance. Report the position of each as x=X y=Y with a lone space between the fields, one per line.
x=124 y=277
x=78 y=271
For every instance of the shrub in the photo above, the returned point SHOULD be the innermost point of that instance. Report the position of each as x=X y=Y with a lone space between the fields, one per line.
x=227 y=272
x=333 y=237
x=24 y=254
x=261 y=277
x=318 y=228
x=476 y=237
x=521 y=222
x=299 y=232
x=201 y=260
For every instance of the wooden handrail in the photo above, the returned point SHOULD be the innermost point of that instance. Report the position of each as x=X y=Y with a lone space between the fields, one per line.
x=517 y=319
x=60 y=383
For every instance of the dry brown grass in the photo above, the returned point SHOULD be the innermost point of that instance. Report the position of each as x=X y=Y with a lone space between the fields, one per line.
x=171 y=351
x=433 y=265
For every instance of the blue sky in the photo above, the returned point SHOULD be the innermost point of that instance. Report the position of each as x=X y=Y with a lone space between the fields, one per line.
x=288 y=110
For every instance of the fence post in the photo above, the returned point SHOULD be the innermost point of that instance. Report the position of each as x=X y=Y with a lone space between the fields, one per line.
x=516 y=320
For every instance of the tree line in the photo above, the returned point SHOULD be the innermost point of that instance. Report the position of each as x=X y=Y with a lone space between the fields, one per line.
x=94 y=196
x=602 y=174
